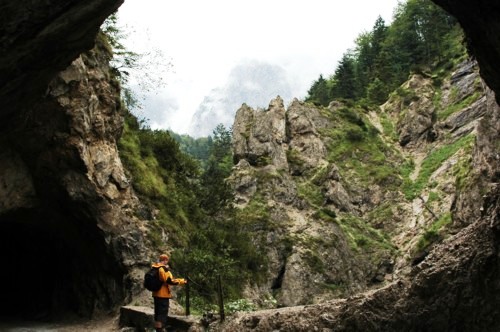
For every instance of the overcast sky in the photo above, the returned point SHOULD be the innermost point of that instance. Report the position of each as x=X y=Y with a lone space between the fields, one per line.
x=205 y=39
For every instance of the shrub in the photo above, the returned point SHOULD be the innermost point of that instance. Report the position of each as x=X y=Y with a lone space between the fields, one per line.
x=434 y=233
x=239 y=305
x=431 y=163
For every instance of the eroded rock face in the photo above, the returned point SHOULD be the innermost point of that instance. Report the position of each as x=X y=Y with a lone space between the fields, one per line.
x=303 y=124
x=469 y=204
x=456 y=287
x=451 y=291
x=287 y=142
x=67 y=206
x=417 y=113
x=260 y=135
x=421 y=120
x=309 y=259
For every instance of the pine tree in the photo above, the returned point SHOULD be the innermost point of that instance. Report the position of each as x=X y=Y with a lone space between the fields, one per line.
x=319 y=92
x=216 y=191
x=345 y=79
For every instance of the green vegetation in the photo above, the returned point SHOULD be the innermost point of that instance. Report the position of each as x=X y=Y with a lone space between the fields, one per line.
x=255 y=214
x=314 y=261
x=293 y=157
x=422 y=37
x=434 y=232
x=325 y=214
x=433 y=197
x=453 y=51
x=407 y=168
x=388 y=127
x=359 y=152
x=159 y=173
x=239 y=305
x=431 y=163
x=220 y=247
x=216 y=193
x=381 y=214
x=462 y=170
x=198 y=148
x=190 y=204
x=311 y=193
x=362 y=237
x=338 y=288
x=406 y=95
x=458 y=106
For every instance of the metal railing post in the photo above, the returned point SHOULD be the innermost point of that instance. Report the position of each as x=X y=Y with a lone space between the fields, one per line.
x=221 y=302
x=188 y=303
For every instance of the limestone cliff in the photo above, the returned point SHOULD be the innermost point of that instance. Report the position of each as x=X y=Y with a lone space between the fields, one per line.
x=445 y=231
x=307 y=249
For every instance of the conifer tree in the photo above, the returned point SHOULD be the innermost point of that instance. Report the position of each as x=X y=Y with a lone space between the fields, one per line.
x=216 y=191
x=345 y=79
x=319 y=92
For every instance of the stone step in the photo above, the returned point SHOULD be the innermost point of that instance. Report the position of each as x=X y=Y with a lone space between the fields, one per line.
x=141 y=319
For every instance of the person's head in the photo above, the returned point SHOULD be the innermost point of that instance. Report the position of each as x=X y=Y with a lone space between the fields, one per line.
x=164 y=258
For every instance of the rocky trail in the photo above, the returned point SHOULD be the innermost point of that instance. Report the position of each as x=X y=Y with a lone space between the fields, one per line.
x=103 y=324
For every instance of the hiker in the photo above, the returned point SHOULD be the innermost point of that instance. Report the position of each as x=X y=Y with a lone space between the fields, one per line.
x=163 y=295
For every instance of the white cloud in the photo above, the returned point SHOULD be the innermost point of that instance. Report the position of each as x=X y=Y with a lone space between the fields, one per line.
x=204 y=40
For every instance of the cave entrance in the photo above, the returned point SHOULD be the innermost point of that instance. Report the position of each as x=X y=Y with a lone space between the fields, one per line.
x=35 y=278
x=53 y=268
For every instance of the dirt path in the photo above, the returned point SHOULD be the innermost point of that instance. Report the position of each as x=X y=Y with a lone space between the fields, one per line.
x=104 y=324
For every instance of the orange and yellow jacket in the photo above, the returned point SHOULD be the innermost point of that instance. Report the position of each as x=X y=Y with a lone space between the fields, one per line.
x=168 y=279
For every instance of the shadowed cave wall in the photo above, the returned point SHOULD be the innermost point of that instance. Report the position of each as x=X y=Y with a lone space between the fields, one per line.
x=69 y=242
x=479 y=19
x=53 y=270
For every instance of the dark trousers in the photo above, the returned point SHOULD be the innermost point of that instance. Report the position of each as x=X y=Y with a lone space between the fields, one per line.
x=161 y=309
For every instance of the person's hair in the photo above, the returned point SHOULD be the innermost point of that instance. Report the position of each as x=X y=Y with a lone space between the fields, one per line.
x=163 y=257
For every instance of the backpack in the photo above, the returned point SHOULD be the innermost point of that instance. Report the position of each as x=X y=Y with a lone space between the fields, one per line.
x=152 y=280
